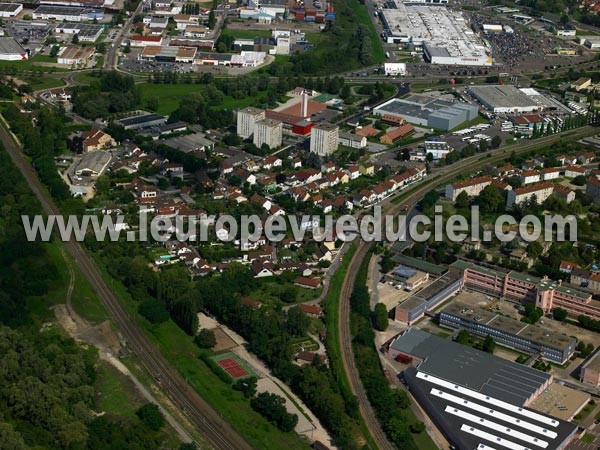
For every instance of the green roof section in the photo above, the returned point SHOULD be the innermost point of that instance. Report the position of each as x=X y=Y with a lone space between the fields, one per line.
x=525 y=277
x=419 y=264
x=462 y=265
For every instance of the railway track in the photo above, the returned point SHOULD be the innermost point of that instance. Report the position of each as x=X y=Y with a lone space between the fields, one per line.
x=412 y=197
x=218 y=434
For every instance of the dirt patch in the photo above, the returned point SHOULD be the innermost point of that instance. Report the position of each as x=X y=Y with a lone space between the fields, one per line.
x=224 y=342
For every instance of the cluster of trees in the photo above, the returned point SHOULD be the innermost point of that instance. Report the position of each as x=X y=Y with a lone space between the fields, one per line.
x=42 y=143
x=570 y=122
x=584 y=350
x=390 y=404
x=588 y=323
x=112 y=93
x=560 y=314
x=532 y=313
x=272 y=406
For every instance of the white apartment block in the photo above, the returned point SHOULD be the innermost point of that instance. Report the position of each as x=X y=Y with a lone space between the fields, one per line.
x=541 y=191
x=246 y=120
x=472 y=187
x=530 y=176
x=324 y=139
x=268 y=131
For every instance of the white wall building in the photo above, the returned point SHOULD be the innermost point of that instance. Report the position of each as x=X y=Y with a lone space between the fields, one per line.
x=471 y=187
x=246 y=120
x=539 y=191
x=395 y=69
x=268 y=131
x=324 y=139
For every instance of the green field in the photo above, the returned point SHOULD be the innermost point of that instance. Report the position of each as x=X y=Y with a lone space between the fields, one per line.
x=170 y=95
x=245 y=34
x=115 y=392
x=40 y=83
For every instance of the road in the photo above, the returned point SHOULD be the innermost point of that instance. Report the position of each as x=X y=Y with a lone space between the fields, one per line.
x=442 y=177
x=217 y=432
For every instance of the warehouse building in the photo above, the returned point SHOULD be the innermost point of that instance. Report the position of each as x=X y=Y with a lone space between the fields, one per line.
x=10 y=9
x=427 y=111
x=478 y=401
x=145 y=120
x=169 y=54
x=92 y=164
x=504 y=98
x=86 y=32
x=462 y=365
x=552 y=346
x=452 y=117
x=443 y=34
x=11 y=50
x=67 y=13
x=73 y=55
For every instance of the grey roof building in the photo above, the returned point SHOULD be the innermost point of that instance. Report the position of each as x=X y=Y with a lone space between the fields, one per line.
x=481 y=372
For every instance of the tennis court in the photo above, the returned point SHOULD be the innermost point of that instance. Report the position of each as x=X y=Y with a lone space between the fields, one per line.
x=234 y=366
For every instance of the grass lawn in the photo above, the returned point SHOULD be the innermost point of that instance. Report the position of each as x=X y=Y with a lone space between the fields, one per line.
x=246 y=34
x=269 y=292
x=116 y=393
x=43 y=59
x=84 y=78
x=84 y=299
x=588 y=438
x=38 y=84
x=170 y=95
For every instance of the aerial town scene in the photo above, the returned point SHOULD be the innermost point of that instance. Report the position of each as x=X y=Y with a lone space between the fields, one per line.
x=300 y=224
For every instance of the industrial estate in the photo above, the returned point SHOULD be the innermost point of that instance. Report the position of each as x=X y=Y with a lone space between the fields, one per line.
x=461 y=113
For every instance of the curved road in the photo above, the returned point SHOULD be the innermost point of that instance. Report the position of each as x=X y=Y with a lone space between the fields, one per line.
x=217 y=432
x=443 y=176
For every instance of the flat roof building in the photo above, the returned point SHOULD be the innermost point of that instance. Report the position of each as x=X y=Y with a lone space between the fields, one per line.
x=545 y=293
x=145 y=120
x=11 y=50
x=86 y=32
x=246 y=120
x=476 y=408
x=268 y=131
x=590 y=370
x=92 y=164
x=10 y=9
x=552 y=346
x=324 y=139
x=465 y=366
x=443 y=34
x=67 y=13
x=504 y=98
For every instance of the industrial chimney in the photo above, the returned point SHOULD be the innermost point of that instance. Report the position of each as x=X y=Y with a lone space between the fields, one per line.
x=304 y=108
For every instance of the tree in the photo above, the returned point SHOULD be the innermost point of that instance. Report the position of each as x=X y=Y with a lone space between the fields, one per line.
x=75 y=39
x=205 y=339
x=489 y=344
x=272 y=406
x=429 y=157
x=54 y=51
x=151 y=416
x=212 y=19
x=247 y=386
x=490 y=200
x=496 y=141
x=534 y=249
x=380 y=317
x=463 y=337
x=560 y=314
x=297 y=322
x=10 y=439
x=462 y=201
